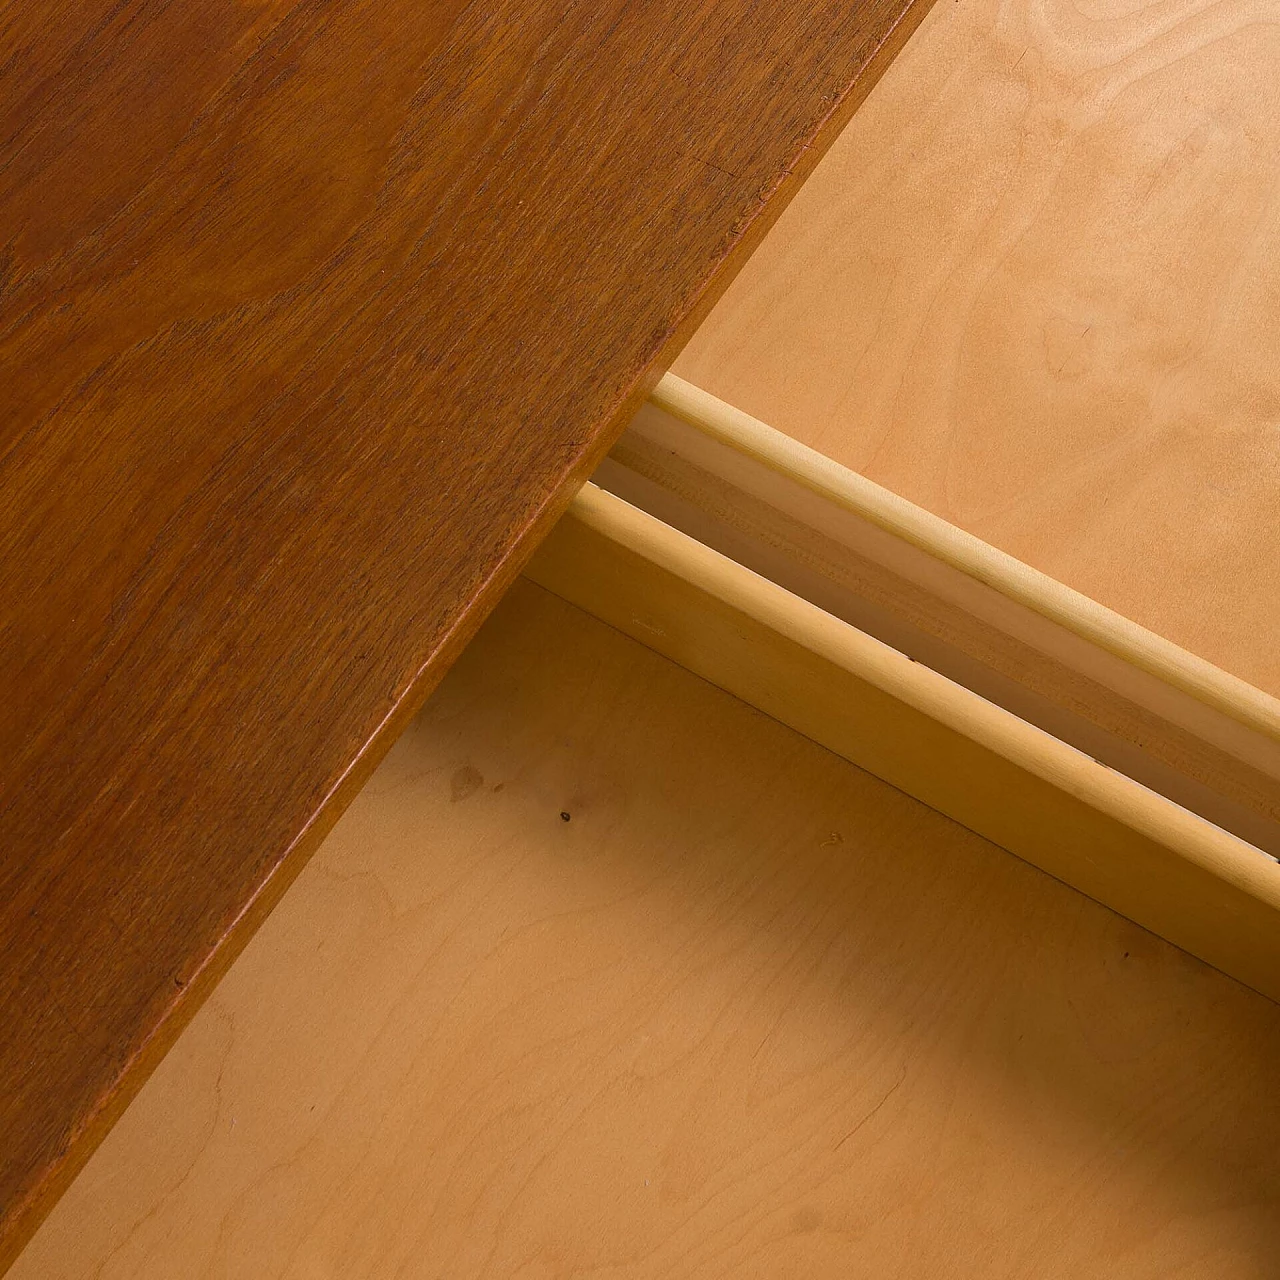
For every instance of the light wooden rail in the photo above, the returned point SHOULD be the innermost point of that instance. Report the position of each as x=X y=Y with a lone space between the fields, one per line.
x=836 y=484
x=1130 y=699
x=1152 y=860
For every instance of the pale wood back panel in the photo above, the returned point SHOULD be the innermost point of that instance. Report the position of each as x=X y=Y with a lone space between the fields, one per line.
x=1035 y=287
x=747 y=1012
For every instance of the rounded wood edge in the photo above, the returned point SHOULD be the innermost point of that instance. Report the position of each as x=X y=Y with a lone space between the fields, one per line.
x=1183 y=833
x=1068 y=608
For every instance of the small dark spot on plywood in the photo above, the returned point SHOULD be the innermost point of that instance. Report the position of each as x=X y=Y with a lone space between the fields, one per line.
x=1126 y=955
x=466 y=782
x=564 y=815
x=497 y=786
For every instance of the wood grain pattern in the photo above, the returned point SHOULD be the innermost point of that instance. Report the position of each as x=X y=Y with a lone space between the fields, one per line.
x=1127 y=847
x=750 y=1012
x=311 y=316
x=1035 y=288
x=1056 y=659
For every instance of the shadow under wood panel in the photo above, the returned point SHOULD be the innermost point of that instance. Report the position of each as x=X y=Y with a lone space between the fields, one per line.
x=311 y=318
x=748 y=1011
x=1035 y=288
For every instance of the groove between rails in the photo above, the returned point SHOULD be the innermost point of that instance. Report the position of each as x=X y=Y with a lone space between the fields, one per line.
x=1148 y=858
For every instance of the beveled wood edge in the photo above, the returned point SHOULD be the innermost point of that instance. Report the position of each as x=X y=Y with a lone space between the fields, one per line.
x=19 y=1222
x=1068 y=608
x=1145 y=857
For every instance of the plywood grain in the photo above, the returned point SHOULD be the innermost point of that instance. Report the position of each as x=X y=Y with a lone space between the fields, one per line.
x=1085 y=823
x=1035 y=288
x=311 y=316
x=747 y=1012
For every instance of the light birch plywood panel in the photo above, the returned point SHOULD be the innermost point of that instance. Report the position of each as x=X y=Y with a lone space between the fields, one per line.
x=1035 y=287
x=607 y=974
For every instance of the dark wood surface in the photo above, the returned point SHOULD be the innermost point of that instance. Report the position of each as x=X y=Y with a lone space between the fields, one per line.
x=312 y=315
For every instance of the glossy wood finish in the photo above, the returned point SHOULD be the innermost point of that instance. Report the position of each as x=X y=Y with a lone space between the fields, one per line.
x=749 y=1013
x=1035 y=288
x=311 y=317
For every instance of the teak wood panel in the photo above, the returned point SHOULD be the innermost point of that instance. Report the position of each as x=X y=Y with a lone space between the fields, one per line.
x=747 y=1012
x=311 y=318
x=1035 y=288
